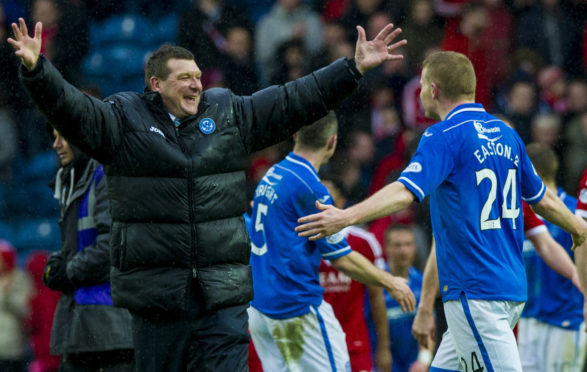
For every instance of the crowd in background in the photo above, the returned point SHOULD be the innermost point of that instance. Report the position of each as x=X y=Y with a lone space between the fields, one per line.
x=530 y=57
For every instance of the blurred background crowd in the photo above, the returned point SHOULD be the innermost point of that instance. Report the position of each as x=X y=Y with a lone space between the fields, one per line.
x=530 y=58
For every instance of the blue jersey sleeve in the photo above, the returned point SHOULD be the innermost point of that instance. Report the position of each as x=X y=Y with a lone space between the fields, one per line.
x=335 y=245
x=430 y=165
x=533 y=188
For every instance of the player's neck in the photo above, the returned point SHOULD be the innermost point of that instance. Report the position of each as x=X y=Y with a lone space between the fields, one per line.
x=316 y=158
x=447 y=106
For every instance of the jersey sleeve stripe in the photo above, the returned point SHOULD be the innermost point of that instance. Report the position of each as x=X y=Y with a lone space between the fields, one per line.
x=535 y=230
x=337 y=252
x=414 y=186
x=537 y=196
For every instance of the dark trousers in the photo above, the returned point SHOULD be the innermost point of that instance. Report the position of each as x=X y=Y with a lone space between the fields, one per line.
x=103 y=361
x=197 y=340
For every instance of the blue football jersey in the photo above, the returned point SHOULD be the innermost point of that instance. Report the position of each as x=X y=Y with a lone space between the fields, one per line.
x=404 y=347
x=560 y=303
x=476 y=171
x=285 y=266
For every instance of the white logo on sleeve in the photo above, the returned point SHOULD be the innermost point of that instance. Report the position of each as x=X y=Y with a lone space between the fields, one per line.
x=324 y=199
x=414 y=167
x=428 y=134
x=335 y=238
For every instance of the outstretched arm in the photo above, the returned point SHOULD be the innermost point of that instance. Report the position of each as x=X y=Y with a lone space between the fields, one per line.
x=555 y=211
x=390 y=199
x=84 y=121
x=361 y=269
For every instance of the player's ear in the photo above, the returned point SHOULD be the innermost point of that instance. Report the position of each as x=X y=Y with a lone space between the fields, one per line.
x=332 y=141
x=154 y=83
x=434 y=90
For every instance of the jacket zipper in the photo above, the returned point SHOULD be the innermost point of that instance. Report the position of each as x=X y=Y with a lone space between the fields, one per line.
x=190 y=193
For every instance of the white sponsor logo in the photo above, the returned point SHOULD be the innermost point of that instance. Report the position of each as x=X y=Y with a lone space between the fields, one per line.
x=335 y=238
x=157 y=130
x=414 y=167
x=481 y=131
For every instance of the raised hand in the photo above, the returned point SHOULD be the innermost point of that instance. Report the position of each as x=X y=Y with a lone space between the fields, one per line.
x=323 y=224
x=27 y=48
x=370 y=54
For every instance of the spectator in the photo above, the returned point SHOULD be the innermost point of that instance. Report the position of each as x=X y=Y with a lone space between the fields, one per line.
x=288 y=19
x=291 y=62
x=8 y=140
x=40 y=321
x=575 y=151
x=553 y=88
x=546 y=129
x=465 y=37
x=522 y=105
x=423 y=30
x=549 y=29
x=203 y=30
x=238 y=66
x=88 y=332
x=15 y=292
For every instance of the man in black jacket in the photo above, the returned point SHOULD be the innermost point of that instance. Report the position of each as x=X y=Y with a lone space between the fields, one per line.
x=88 y=332
x=175 y=159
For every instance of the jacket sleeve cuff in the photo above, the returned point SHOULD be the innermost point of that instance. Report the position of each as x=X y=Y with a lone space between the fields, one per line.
x=36 y=70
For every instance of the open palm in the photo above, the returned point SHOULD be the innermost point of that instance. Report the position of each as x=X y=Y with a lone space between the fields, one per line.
x=370 y=54
x=27 y=48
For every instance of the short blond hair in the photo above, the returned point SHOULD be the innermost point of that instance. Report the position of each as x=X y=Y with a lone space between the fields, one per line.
x=453 y=73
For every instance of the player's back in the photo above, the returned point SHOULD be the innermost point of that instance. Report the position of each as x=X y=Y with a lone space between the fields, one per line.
x=475 y=169
x=285 y=266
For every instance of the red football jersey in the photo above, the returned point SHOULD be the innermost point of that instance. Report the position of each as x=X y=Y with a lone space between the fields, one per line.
x=582 y=197
x=347 y=296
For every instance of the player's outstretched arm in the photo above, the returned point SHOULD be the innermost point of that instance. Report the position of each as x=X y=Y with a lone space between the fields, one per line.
x=555 y=211
x=372 y=53
x=555 y=256
x=424 y=327
x=26 y=47
x=361 y=269
x=390 y=199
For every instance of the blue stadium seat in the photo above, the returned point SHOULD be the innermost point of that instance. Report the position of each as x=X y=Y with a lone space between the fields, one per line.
x=130 y=29
x=95 y=67
x=42 y=166
x=165 y=30
x=6 y=231
x=41 y=199
x=37 y=233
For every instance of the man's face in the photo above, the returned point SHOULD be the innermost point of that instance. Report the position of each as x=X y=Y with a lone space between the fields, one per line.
x=400 y=247
x=426 y=96
x=182 y=88
x=62 y=148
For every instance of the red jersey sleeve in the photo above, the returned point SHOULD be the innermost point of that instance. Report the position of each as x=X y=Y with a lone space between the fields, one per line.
x=532 y=223
x=582 y=197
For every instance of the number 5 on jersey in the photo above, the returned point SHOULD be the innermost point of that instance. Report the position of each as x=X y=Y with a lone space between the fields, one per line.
x=259 y=227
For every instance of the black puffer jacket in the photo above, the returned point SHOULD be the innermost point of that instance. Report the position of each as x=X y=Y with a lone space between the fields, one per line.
x=178 y=194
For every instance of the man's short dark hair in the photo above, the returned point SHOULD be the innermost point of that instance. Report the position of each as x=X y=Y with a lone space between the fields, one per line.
x=157 y=63
x=315 y=136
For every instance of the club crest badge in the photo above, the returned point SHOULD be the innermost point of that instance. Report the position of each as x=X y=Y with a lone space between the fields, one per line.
x=207 y=126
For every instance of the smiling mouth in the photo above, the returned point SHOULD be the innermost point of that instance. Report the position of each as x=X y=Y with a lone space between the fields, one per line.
x=191 y=98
